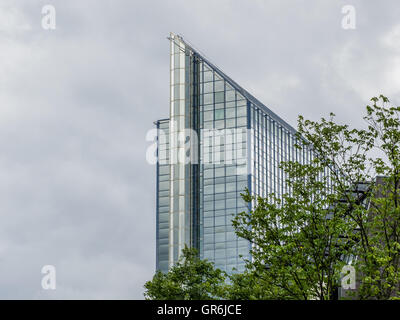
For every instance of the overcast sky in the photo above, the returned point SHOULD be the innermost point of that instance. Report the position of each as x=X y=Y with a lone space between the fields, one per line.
x=76 y=102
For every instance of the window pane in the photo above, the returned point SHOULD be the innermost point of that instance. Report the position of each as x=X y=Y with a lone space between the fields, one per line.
x=230 y=123
x=241 y=121
x=208 y=76
x=208 y=115
x=219 y=85
x=241 y=111
x=219 y=188
x=230 y=104
x=219 y=114
x=219 y=172
x=208 y=87
x=208 y=98
x=219 y=97
x=230 y=95
x=219 y=124
x=230 y=113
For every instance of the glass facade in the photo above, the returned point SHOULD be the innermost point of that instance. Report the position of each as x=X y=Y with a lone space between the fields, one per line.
x=223 y=169
x=271 y=143
x=163 y=196
x=235 y=143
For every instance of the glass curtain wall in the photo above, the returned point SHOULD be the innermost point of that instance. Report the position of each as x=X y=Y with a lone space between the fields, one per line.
x=223 y=174
x=163 y=187
x=240 y=145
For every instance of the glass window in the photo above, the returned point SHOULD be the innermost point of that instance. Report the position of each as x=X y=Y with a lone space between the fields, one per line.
x=208 y=173
x=163 y=201
x=230 y=236
x=230 y=113
x=230 y=123
x=220 y=196
x=219 y=124
x=241 y=111
x=220 y=180
x=208 y=98
x=230 y=104
x=219 y=114
x=163 y=185
x=208 y=115
x=220 y=237
x=164 y=193
x=208 y=107
x=208 y=222
x=231 y=203
x=208 y=238
x=219 y=97
x=219 y=172
x=230 y=95
x=239 y=96
x=209 y=189
x=219 y=86
x=220 y=245
x=231 y=253
x=241 y=185
x=176 y=60
x=208 y=125
x=163 y=233
x=219 y=204
x=220 y=253
x=206 y=67
x=163 y=177
x=219 y=188
x=231 y=186
x=208 y=87
x=163 y=170
x=176 y=76
x=208 y=76
x=241 y=121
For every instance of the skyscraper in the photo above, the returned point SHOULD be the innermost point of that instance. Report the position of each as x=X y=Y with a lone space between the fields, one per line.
x=218 y=141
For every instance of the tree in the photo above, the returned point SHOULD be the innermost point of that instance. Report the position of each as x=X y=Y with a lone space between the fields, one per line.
x=379 y=249
x=303 y=238
x=298 y=248
x=189 y=279
x=250 y=286
x=368 y=155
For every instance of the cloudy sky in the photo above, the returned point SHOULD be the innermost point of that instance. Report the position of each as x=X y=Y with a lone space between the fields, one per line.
x=76 y=102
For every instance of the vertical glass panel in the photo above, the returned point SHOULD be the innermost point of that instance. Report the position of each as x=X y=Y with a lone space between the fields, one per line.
x=219 y=85
x=219 y=97
x=208 y=76
x=230 y=95
x=219 y=114
x=208 y=98
x=208 y=87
